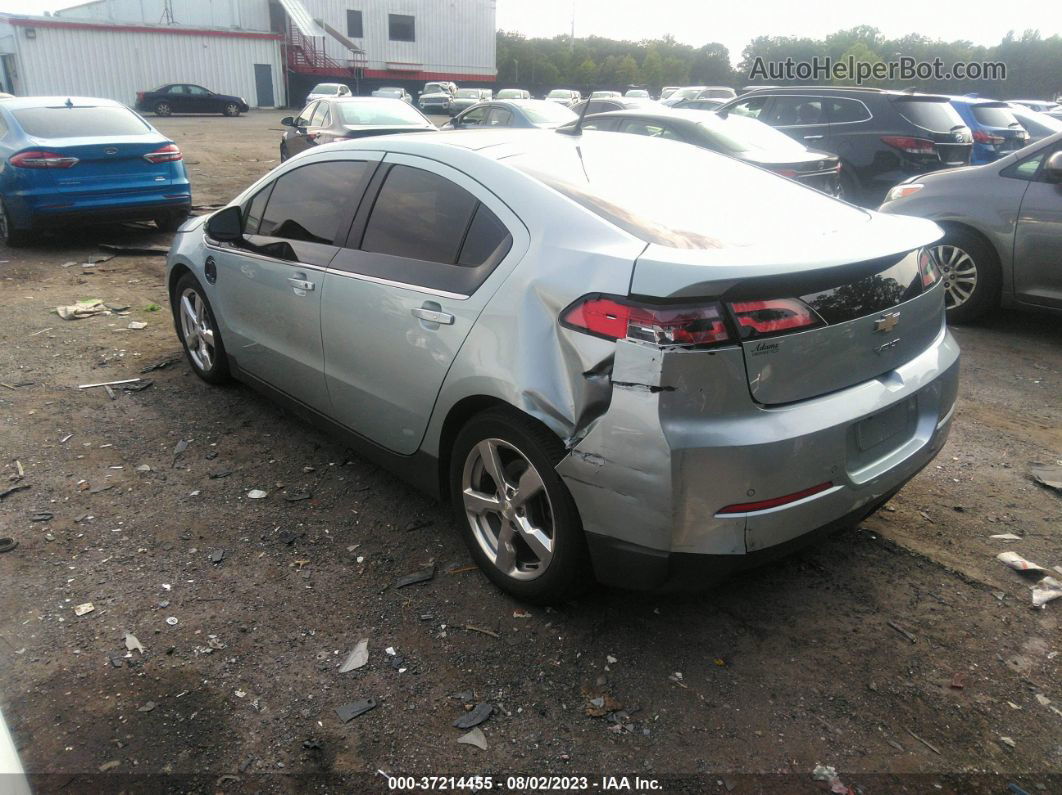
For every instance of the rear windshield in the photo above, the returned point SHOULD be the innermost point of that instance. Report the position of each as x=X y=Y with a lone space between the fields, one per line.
x=936 y=115
x=548 y=113
x=560 y=92
x=741 y=134
x=380 y=113
x=994 y=116
x=899 y=282
x=510 y=93
x=656 y=191
x=325 y=88
x=468 y=93
x=83 y=122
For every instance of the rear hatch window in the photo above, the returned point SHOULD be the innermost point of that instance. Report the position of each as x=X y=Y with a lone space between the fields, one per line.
x=934 y=114
x=994 y=115
x=80 y=122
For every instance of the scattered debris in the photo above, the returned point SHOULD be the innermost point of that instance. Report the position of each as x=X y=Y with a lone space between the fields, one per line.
x=66 y=438
x=1006 y=537
x=139 y=386
x=521 y=613
x=1047 y=590
x=1018 y=563
x=7 y=544
x=216 y=556
x=152 y=307
x=136 y=325
x=13 y=489
x=418 y=576
x=218 y=474
x=109 y=765
x=926 y=743
x=289 y=537
x=348 y=712
x=958 y=681
x=828 y=773
x=1007 y=741
x=136 y=251
x=178 y=450
x=298 y=496
x=132 y=644
x=43 y=516
x=902 y=631
x=471 y=628
x=1049 y=475
x=357 y=658
x=84 y=609
x=108 y=383
x=172 y=621
x=474 y=737
x=477 y=715
x=257 y=494
x=87 y=307
x=147 y=707
x=600 y=706
x=162 y=364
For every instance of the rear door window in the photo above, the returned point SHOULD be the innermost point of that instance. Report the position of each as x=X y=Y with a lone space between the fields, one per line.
x=500 y=117
x=308 y=203
x=419 y=215
x=936 y=115
x=87 y=122
x=846 y=111
x=650 y=128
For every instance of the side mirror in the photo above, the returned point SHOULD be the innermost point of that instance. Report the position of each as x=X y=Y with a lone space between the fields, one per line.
x=1053 y=167
x=288 y=121
x=226 y=226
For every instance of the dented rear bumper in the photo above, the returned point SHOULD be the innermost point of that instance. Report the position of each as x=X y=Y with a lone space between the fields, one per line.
x=682 y=438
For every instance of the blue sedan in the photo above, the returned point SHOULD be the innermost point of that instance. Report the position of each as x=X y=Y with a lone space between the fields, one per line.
x=80 y=160
x=996 y=133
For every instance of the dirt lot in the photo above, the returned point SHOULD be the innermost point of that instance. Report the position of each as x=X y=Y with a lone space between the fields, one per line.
x=797 y=664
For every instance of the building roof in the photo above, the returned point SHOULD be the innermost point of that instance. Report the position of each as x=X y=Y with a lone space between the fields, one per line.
x=24 y=21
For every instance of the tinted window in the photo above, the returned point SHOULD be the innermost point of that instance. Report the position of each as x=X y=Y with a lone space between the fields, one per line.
x=500 y=117
x=789 y=111
x=847 y=110
x=178 y=90
x=650 y=128
x=474 y=117
x=1027 y=168
x=307 y=203
x=80 y=122
x=542 y=112
x=253 y=216
x=930 y=114
x=898 y=283
x=750 y=107
x=401 y=27
x=380 y=112
x=993 y=116
x=419 y=215
x=307 y=113
x=198 y=91
x=320 y=116
x=354 y=24
x=486 y=237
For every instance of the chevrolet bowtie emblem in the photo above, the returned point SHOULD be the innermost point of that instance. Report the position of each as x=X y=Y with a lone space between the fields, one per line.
x=887 y=323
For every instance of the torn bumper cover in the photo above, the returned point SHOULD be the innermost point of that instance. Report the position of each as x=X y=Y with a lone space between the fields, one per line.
x=682 y=439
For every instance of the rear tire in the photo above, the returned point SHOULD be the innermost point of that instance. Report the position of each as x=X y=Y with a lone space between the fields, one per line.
x=163 y=109
x=198 y=331
x=12 y=237
x=971 y=273
x=532 y=546
x=284 y=154
x=170 y=223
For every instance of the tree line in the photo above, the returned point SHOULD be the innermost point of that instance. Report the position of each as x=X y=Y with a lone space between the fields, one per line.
x=1033 y=63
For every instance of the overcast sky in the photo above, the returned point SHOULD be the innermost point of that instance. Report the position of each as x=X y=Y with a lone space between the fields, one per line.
x=697 y=22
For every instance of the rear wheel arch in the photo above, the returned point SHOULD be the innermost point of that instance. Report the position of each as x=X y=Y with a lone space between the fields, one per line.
x=989 y=268
x=457 y=417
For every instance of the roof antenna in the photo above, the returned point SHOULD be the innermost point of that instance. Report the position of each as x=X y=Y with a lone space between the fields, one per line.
x=578 y=128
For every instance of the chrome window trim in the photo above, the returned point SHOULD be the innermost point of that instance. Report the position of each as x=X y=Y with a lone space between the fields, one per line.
x=820 y=97
x=391 y=283
x=215 y=246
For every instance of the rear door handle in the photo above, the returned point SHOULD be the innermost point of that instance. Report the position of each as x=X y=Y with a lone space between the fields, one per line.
x=433 y=315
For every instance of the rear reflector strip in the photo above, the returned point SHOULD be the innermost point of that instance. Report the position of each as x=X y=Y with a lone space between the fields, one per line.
x=763 y=505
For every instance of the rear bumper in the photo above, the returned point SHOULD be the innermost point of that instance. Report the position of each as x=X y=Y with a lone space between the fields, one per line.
x=44 y=212
x=682 y=439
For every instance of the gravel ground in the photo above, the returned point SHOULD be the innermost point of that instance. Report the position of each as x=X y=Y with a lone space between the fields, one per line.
x=848 y=655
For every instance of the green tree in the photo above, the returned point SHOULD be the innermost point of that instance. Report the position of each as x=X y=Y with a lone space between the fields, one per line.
x=652 y=73
x=586 y=73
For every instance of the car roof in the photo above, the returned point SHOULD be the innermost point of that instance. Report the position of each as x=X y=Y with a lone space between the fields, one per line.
x=677 y=114
x=18 y=103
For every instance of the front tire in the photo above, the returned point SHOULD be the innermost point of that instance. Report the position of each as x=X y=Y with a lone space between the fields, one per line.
x=231 y=109
x=284 y=154
x=163 y=109
x=198 y=331
x=970 y=269
x=514 y=512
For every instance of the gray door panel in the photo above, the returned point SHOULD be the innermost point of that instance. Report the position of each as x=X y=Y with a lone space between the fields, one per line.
x=263 y=85
x=1038 y=246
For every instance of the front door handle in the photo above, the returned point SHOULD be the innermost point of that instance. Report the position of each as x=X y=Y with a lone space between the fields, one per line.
x=300 y=284
x=429 y=315
x=813 y=137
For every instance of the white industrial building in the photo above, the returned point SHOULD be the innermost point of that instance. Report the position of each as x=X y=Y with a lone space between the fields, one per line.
x=266 y=51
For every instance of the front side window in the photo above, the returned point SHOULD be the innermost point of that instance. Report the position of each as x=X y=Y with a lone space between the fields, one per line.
x=419 y=215
x=178 y=90
x=321 y=117
x=651 y=129
x=795 y=111
x=198 y=91
x=401 y=27
x=474 y=117
x=354 y=24
x=500 y=117
x=307 y=203
x=1026 y=169
x=307 y=113
x=750 y=107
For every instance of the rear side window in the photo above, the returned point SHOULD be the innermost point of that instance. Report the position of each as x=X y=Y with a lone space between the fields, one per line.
x=750 y=107
x=307 y=203
x=474 y=117
x=935 y=115
x=843 y=111
x=486 y=237
x=649 y=128
x=79 y=122
x=993 y=116
x=419 y=215
x=791 y=111
x=321 y=116
x=500 y=117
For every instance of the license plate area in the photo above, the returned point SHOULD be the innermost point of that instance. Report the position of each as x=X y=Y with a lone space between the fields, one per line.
x=875 y=437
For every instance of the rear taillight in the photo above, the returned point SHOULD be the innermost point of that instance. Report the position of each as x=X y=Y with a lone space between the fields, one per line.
x=927 y=266
x=139 y=96
x=36 y=158
x=618 y=318
x=164 y=154
x=981 y=137
x=758 y=318
x=910 y=145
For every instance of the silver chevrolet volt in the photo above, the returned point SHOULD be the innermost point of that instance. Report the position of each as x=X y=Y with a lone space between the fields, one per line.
x=611 y=354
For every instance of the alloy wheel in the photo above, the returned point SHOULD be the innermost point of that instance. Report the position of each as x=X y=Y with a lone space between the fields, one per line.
x=162 y=109
x=232 y=109
x=508 y=508
x=196 y=329
x=960 y=274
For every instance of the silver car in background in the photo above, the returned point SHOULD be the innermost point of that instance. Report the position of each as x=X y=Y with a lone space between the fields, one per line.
x=1002 y=224
x=610 y=353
